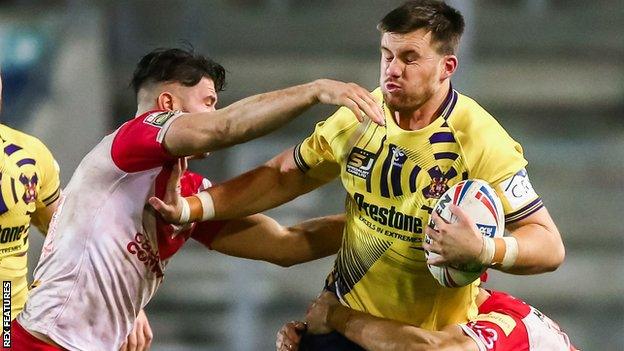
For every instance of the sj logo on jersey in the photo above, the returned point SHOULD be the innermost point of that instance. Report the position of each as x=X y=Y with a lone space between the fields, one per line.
x=360 y=162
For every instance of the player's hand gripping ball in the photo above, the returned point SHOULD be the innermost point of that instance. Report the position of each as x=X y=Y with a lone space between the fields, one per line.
x=477 y=198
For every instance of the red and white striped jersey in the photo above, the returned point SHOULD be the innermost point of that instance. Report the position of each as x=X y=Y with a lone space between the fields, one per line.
x=106 y=250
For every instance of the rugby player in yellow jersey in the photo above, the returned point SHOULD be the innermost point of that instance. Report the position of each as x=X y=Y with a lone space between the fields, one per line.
x=433 y=138
x=30 y=189
x=29 y=194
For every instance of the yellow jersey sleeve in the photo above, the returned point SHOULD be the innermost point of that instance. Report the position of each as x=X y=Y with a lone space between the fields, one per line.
x=10 y=186
x=50 y=182
x=494 y=156
x=319 y=154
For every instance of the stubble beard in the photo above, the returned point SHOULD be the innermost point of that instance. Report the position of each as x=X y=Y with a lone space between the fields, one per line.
x=402 y=103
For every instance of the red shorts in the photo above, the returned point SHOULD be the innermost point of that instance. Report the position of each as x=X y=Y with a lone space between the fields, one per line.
x=21 y=340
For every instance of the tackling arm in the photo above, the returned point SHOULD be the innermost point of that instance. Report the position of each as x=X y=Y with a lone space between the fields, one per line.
x=197 y=133
x=379 y=334
x=270 y=185
x=259 y=237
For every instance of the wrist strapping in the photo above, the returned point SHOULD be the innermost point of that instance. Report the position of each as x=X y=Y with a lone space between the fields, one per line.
x=512 y=252
x=487 y=251
x=501 y=252
x=208 y=211
x=185 y=214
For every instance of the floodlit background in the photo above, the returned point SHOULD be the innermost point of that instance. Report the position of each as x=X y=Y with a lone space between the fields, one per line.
x=552 y=72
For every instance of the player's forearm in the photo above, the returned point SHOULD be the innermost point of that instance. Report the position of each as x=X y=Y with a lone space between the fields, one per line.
x=242 y=121
x=259 y=237
x=378 y=334
x=539 y=245
x=272 y=184
x=312 y=239
x=540 y=250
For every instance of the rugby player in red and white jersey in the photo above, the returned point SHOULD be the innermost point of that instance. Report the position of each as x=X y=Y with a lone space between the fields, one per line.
x=504 y=323
x=106 y=251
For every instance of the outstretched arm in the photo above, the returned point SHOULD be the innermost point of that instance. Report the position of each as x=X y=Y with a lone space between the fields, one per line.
x=260 y=237
x=272 y=184
x=252 y=117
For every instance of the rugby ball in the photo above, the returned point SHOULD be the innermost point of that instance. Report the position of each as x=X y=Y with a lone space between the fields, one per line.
x=481 y=203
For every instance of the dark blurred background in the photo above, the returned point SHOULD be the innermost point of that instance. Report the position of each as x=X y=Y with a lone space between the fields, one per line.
x=552 y=72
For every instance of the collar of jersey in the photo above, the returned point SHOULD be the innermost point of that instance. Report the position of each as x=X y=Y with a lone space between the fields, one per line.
x=445 y=110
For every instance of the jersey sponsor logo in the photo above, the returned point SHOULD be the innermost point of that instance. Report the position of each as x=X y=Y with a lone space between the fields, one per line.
x=30 y=187
x=360 y=162
x=159 y=119
x=388 y=216
x=144 y=252
x=518 y=189
x=10 y=234
x=505 y=322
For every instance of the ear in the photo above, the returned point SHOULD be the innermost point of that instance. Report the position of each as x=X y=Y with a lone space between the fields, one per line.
x=449 y=66
x=164 y=101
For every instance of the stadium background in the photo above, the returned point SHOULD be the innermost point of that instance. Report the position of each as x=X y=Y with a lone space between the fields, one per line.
x=552 y=72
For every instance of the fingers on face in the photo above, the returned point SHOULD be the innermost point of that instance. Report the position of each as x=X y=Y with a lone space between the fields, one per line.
x=351 y=105
x=367 y=103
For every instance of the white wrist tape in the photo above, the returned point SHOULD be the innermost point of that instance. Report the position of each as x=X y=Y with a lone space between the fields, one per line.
x=185 y=215
x=512 y=252
x=207 y=205
x=487 y=251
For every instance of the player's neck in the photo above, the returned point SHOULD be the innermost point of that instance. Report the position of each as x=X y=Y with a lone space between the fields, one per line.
x=143 y=108
x=426 y=113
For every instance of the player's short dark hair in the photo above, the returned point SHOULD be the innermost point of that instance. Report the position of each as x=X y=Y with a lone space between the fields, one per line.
x=445 y=23
x=177 y=65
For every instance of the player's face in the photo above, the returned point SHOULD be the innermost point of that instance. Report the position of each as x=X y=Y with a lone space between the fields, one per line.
x=410 y=69
x=202 y=97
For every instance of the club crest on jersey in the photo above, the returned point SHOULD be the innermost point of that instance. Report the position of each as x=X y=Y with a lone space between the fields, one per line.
x=158 y=119
x=438 y=186
x=360 y=162
x=30 y=187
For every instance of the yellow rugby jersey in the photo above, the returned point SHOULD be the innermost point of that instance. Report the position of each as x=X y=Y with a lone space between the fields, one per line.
x=393 y=178
x=29 y=181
